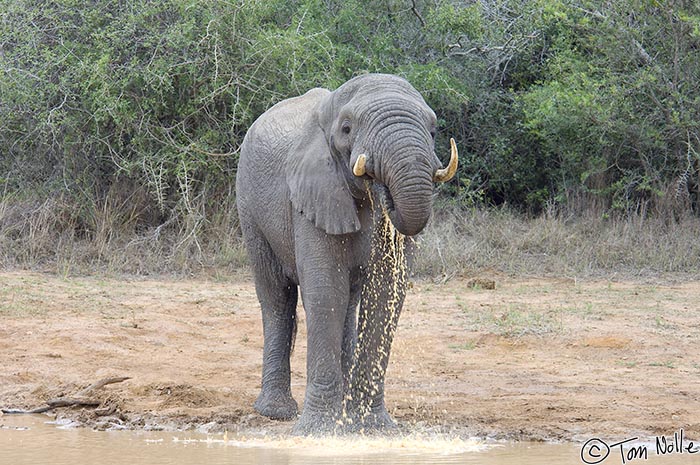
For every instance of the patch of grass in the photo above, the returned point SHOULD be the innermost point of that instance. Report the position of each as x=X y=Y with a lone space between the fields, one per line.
x=584 y=244
x=16 y=301
x=464 y=307
x=119 y=234
x=124 y=233
x=666 y=364
x=586 y=311
x=24 y=297
x=469 y=345
x=663 y=324
x=516 y=320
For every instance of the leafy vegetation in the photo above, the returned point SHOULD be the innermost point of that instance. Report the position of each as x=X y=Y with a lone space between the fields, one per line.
x=138 y=108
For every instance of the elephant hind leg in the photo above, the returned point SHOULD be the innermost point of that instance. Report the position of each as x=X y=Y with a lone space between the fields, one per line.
x=278 y=297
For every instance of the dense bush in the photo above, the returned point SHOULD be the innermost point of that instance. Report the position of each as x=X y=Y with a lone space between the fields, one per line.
x=576 y=103
x=546 y=98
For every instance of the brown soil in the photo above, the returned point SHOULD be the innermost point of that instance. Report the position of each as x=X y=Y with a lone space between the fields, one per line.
x=531 y=359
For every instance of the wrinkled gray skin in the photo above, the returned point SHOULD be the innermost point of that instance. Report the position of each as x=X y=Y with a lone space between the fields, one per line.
x=307 y=224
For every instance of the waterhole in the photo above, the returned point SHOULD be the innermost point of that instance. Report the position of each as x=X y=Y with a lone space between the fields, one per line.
x=34 y=440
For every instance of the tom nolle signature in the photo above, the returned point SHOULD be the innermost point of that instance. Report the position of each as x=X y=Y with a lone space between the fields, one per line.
x=596 y=450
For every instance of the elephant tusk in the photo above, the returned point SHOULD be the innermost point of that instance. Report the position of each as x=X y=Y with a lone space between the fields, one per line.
x=359 y=168
x=445 y=174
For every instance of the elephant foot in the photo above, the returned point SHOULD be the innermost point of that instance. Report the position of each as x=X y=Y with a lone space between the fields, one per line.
x=276 y=405
x=316 y=425
x=377 y=421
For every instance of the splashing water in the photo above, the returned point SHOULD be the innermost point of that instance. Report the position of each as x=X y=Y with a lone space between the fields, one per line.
x=383 y=291
x=337 y=445
x=28 y=440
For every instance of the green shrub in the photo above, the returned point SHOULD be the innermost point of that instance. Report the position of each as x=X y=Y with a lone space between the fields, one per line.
x=574 y=103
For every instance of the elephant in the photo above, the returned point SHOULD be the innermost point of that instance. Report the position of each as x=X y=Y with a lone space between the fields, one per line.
x=328 y=185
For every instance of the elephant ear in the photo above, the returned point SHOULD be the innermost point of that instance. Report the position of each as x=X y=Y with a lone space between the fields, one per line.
x=318 y=189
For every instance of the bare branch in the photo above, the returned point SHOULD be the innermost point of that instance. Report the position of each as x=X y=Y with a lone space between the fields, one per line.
x=415 y=11
x=79 y=399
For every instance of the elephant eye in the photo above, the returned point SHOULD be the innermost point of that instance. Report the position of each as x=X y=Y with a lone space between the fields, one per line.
x=432 y=134
x=346 y=128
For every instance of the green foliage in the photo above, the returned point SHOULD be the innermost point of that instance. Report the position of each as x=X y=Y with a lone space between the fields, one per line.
x=614 y=113
x=548 y=100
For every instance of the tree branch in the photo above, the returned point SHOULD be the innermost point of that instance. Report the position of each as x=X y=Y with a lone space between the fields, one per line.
x=71 y=401
x=415 y=11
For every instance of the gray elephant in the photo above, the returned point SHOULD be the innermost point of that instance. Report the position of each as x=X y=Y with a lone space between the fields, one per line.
x=328 y=186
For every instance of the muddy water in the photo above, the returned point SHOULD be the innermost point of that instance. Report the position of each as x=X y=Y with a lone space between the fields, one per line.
x=35 y=440
x=26 y=440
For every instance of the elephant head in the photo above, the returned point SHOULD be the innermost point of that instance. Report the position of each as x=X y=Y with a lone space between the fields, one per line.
x=374 y=127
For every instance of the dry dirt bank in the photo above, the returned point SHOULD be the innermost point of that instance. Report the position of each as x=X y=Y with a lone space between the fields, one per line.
x=533 y=359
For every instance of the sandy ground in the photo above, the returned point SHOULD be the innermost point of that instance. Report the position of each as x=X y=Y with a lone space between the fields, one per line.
x=539 y=359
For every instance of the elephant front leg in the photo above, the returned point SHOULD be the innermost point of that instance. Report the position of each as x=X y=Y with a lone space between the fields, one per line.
x=325 y=292
x=382 y=298
x=377 y=321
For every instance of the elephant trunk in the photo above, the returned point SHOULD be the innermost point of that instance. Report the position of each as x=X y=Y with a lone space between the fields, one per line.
x=398 y=154
x=409 y=189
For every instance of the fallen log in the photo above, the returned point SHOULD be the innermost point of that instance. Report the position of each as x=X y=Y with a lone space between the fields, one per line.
x=80 y=399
